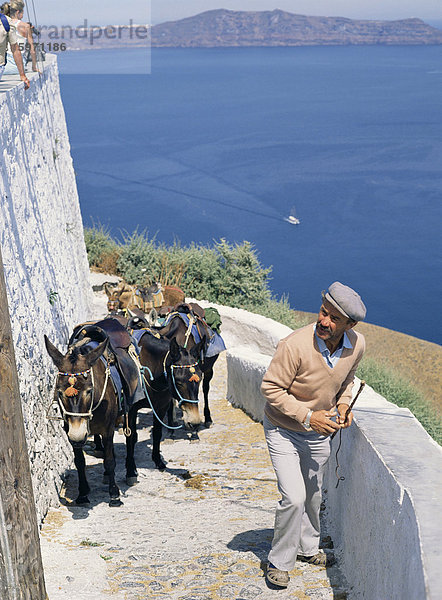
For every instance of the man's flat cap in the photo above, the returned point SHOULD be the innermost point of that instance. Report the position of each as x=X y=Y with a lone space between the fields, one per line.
x=346 y=300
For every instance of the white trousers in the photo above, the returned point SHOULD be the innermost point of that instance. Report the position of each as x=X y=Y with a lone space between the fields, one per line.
x=299 y=460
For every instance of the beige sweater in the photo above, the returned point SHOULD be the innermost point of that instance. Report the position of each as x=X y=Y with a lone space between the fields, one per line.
x=298 y=378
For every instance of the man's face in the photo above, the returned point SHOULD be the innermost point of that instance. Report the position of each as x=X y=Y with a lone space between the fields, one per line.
x=331 y=324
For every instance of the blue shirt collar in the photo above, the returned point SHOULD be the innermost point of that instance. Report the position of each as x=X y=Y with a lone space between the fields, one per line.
x=331 y=359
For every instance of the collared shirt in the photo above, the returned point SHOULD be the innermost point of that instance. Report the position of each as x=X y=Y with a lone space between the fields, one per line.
x=332 y=359
x=10 y=37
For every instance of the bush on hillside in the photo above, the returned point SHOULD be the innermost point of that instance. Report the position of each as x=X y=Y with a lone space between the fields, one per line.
x=99 y=246
x=227 y=273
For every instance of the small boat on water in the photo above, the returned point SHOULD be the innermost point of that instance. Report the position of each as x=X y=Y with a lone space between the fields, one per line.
x=293 y=219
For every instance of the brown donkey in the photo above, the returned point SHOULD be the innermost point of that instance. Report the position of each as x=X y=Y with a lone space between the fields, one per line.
x=89 y=405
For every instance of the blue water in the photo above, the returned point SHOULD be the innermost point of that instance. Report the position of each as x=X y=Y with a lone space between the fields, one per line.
x=224 y=142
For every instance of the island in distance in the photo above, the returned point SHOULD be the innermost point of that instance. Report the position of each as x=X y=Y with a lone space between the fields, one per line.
x=223 y=27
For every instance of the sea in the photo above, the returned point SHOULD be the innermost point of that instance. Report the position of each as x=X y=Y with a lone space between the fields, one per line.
x=228 y=142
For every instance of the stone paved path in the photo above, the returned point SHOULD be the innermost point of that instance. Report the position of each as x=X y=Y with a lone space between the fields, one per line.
x=197 y=531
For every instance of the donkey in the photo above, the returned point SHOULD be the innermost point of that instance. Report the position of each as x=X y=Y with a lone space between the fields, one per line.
x=176 y=328
x=122 y=296
x=125 y=296
x=168 y=372
x=89 y=405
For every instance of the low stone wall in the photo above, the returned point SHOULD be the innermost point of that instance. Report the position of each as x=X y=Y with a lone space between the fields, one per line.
x=44 y=257
x=384 y=517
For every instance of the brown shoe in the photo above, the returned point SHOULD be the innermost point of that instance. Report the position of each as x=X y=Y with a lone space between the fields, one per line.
x=320 y=559
x=277 y=577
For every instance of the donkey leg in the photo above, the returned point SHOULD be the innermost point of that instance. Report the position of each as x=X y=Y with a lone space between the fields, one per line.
x=83 y=486
x=207 y=376
x=99 y=448
x=109 y=470
x=131 y=440
x=156 y=440
x=171 y=417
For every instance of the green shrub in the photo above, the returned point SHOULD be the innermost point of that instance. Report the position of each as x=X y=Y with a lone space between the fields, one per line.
x=138 y=259
x=98 y=244
x=401 y=392
x=229 y=274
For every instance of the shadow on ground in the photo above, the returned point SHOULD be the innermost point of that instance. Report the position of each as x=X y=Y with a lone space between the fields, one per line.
x=257 y=541
x=94 y=472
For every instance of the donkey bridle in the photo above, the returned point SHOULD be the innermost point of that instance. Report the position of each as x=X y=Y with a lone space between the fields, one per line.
x=92 y=408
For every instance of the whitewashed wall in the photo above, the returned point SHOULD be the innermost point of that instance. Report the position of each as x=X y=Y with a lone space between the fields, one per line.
x=44 y=257
x=384 y=518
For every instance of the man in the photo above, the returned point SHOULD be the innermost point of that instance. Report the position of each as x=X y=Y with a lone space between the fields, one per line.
x=7 y=34
x=309 y=383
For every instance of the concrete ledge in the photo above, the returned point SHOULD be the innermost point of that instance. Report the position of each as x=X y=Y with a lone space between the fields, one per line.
x=245 y=373
x=391 y=458
x=384 y=517
x=8 y=82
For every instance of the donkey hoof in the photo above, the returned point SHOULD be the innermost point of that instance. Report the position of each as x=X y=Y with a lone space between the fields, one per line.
x=115 y=502
x=160 y=465
x=130 y=481
x=208 y=423
x=82 y=500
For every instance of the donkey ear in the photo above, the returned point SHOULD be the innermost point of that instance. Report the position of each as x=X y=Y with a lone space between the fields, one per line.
x=174 y=350
x=54 y=353
x=199 y=348
x=108 y=288
x=92 y=356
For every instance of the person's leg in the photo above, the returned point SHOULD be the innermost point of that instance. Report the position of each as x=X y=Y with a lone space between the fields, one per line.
x=2 y=68
x=287 y=530
x=313 y=461
x=10 y=67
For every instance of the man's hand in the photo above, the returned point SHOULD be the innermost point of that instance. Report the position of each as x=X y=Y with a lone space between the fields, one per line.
x=25 y=81
x=342 y=409
x=321 y=421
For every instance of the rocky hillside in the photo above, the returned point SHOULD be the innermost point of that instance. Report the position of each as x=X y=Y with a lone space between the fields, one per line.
x=278 y=28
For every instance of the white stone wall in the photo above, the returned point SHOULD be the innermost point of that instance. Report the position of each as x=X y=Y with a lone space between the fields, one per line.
x=44 y=257
x=384 y=517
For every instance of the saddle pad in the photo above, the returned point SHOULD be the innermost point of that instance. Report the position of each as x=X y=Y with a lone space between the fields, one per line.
x=137 y=334
x=158 y=299
x=216 y=345
x=114 y=375
x=194 y=331
x=117 y=384
x=119 y=390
